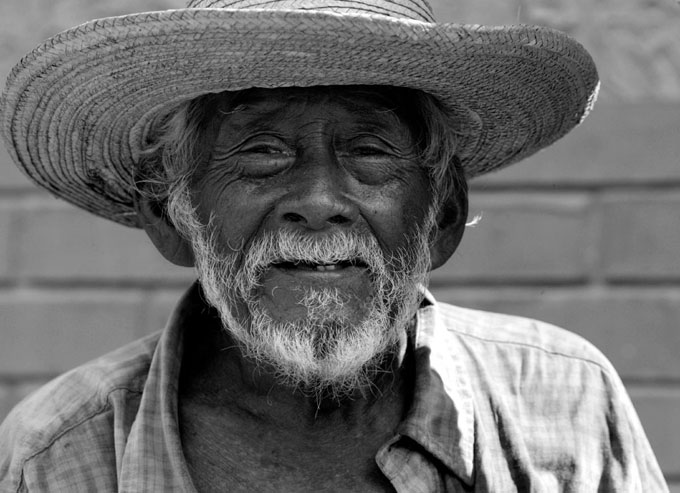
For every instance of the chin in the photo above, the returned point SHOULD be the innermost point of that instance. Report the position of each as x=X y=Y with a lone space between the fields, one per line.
x=329 y=355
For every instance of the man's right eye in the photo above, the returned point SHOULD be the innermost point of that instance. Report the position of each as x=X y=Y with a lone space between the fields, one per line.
x=266 y=144
x=264 y=149
x=262 y=159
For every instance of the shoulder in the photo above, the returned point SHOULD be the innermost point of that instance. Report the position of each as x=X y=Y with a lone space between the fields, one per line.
x=519 y=335
x=80 y=405
x=526 y=364
x=547 y=399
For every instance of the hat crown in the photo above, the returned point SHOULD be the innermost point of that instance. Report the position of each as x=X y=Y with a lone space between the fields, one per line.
x=417 y=10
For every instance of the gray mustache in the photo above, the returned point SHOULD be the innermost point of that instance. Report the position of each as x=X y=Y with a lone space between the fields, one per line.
x=296 y=249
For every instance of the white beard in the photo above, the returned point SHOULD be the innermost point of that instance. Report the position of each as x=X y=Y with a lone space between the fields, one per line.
x=322 y=354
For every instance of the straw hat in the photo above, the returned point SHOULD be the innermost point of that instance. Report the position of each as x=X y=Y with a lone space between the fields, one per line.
x=75 y=110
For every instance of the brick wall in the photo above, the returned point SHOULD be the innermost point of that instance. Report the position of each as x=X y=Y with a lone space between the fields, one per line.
x=585 y=235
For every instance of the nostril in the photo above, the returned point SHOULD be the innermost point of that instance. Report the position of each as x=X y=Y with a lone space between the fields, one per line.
x=338 y=219
x=293 y=217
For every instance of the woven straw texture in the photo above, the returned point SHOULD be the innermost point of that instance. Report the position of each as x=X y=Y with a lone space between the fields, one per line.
x=76 y=109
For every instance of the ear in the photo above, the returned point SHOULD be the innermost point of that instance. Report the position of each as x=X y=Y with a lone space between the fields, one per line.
x=451 y=226
x=167 y=240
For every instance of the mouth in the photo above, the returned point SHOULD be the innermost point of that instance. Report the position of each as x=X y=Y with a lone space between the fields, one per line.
x=290 y=290
x=320 y=267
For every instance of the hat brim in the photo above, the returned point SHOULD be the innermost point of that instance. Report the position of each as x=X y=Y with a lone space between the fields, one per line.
x=75 y=109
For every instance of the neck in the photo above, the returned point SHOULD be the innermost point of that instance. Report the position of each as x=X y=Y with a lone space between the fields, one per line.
x=217 y=374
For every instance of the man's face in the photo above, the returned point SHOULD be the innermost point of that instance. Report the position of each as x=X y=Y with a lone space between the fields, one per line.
x=317 y=239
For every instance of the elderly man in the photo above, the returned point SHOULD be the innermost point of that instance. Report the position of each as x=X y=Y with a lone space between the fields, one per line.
x=310 y=159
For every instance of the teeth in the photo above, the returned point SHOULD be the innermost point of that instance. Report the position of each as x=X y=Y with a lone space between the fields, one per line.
x=327 y=267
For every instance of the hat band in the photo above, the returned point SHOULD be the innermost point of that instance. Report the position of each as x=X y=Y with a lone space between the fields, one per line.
x=417 y=10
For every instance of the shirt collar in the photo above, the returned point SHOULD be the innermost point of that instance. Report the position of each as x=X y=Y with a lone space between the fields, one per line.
x=154 y=446
x=441 y=417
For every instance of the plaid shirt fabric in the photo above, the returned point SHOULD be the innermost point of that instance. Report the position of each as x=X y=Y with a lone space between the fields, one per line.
x=501 y=404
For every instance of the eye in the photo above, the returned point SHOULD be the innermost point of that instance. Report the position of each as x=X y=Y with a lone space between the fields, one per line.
x=374 y=160
x=369 y=150
x=259 y=156
x=265 y=148
x=369 y=146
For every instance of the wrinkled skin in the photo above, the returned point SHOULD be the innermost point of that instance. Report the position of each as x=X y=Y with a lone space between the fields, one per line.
x=312 y=164
x=314 y=161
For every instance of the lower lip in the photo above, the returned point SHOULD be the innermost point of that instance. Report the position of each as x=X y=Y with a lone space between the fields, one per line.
x=330 y=271
x=350 y=277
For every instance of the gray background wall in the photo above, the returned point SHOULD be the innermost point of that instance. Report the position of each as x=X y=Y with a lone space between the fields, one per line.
x=585 y=235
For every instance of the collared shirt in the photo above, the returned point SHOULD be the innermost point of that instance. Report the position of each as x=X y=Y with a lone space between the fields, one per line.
x=500 y=404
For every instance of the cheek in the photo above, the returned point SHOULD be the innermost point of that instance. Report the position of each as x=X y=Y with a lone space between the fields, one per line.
x=395 y=215
x=236 y=212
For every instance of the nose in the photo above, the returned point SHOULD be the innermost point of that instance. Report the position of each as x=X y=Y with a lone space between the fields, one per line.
x=318 y=198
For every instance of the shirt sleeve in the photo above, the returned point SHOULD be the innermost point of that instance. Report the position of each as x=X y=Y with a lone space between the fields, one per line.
x=629 y=462
x=11 y=452
x=552 y=413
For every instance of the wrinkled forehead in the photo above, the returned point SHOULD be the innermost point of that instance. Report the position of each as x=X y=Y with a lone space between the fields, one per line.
x=379 y=105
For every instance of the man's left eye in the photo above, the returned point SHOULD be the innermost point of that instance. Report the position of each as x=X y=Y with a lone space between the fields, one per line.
x=374 y=145
x=265 y=149
x=369 y=151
